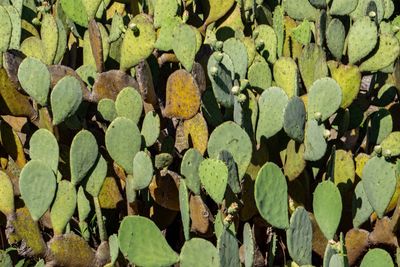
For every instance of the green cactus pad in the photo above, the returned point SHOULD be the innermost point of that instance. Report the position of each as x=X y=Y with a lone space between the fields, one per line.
x=15 y=19
x=65 y=98
x=349 y=79
x=233 y=178
x=164 y=10
x=386 y=54
x=142 y=170
x=361 y=208
x=381 y=126
x=190 y=169
x=362 y=39
x=129 y=104
x=342 y=7
x=230 y=137
x=271 y=195
x=75 y=10
x=272 y=104
x=199 y=252
x=278 y=18
x=83 y=205
x=83 y=155
x=392 y=143
x=6 y=194
x=377 y=257
x=218 y=8
x=285 y=75
x=228 y=249
x=106 y=109
x=299 y=237
x=213 y=175
x=302 y=33
x=43 y=146
x=335 y=38
x=63 y=207
x=221 y=80
x=165 y=38
x=237 y=51
x=364 y=8
x=300 y=10
x=344 y=171
x=62 y=41
x=144 y=38
x=294 y=119
x=259 y=74
x=294 y=163
x=6 y=29
x=184 y=208
x=325 y=97
x=312 y=64
x=37 y=184
x=49 y=35
x=150 y=128
x=185 y=45
x=142 y=243
x=268 y=42
x=35 y=79
x=117 y=25
x=123 y=141
x=95 y=45
x=327 y=206
x=91 y=7
x=248 y=243
x=96 y=176
x=314 y=141
x=114 y=248
x=379 y=180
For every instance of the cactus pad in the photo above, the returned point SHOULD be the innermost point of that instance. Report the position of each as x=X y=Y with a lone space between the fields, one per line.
x=272 y=104
x=392 y=143
x=377 y=257
x=123 y=141
x=379 y=180
x=35 y=79
x=190 y=169
x=37 y=184
x=65 y=98
x=129 y=104
x=312 y=64
x=150 y=128
x=285 y=75
x=83 y=155
x=361 y=207
x=96 y=176
x=271 y=195
x=142 y=243
x=327 y=205
x=6 y=194
x=214 y=177
x=259 y=74
x=142 y=170
x=230 y=137
x=43 y=146
x=335 y=37
x=185 y=45
x=299 y=237
x=294 y=119
x=325 y=97
x=183 y=96
x=198 y=248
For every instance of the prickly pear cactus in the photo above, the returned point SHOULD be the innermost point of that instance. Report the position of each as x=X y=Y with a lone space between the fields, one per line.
x=218 y=132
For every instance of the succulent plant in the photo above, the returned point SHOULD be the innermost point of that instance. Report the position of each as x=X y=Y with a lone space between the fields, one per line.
x=203 y=126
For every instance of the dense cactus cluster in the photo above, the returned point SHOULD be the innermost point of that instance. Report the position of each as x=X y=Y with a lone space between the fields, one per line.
x=187 y=133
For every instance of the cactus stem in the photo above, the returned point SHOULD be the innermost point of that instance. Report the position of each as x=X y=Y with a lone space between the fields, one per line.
x=100 y=221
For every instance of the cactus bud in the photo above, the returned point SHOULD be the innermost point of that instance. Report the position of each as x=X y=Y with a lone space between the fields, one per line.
x=134 y=28
x=185 y=16
x=260 y=44
x=244 y=83
x=36 y=21
x=235 y=90
x=318 y=116
x=378 y=150
x=213 y=71
x=327 y=134
x=242 y=98
x=218 y=56
x=219 y=45
x=387 y=153
x=233 y=208
x=372 y=14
